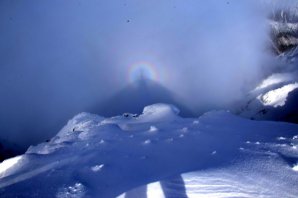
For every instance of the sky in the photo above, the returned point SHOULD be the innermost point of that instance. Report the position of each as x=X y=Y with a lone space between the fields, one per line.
x=59 y=58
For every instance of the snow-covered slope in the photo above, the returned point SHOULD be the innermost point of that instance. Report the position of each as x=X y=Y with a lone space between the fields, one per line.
x=275 y=97
x=158 y=153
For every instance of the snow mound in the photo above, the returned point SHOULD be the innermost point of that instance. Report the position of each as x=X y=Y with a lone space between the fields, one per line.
x=158 y=154
x=159 y=112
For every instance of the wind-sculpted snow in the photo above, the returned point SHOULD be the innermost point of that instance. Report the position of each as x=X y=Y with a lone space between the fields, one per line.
x=158 y=154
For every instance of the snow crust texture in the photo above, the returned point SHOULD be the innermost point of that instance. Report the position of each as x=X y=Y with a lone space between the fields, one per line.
x=158 y=154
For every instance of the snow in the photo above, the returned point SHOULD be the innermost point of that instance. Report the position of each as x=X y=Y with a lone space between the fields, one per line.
x=153 y=129
x=7 y=164
x=158 y=154
x=295 y=168
x=77 y=190
x=277 y=97
x=283 y=27
x=236 y=181
x=159 y=112
x=275 y=79
x=97 y=168
x=281 y=138
x=273 y=99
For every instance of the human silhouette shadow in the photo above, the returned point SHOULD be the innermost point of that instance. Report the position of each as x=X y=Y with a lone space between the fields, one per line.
x=173 y=187
x=135 y=96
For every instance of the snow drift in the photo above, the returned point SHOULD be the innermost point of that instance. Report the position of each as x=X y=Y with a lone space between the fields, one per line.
x=217 y=154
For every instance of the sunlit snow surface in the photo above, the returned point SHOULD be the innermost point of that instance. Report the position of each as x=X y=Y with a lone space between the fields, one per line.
x=159 y=154
x=295 y=168
x=275 y=79
x=9 y=163
x=277 y=97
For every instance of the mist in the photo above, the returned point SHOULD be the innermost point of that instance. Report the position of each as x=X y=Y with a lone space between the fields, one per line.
x=59 y=58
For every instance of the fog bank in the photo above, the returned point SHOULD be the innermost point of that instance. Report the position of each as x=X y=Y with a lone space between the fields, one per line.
x=59 y=58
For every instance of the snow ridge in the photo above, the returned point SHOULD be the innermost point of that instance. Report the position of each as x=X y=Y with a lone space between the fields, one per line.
x=158 y=154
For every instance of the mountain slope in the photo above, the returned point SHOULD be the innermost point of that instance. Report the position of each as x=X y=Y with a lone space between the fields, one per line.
x=275 y=98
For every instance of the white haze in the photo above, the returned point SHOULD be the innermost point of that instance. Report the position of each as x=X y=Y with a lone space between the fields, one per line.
x=58 y=58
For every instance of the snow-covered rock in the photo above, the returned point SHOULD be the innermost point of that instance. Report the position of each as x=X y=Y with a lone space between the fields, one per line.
x=158 y=154
x=274 y=99
x=159 y=112
x=284 y=27
x=276 y=95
